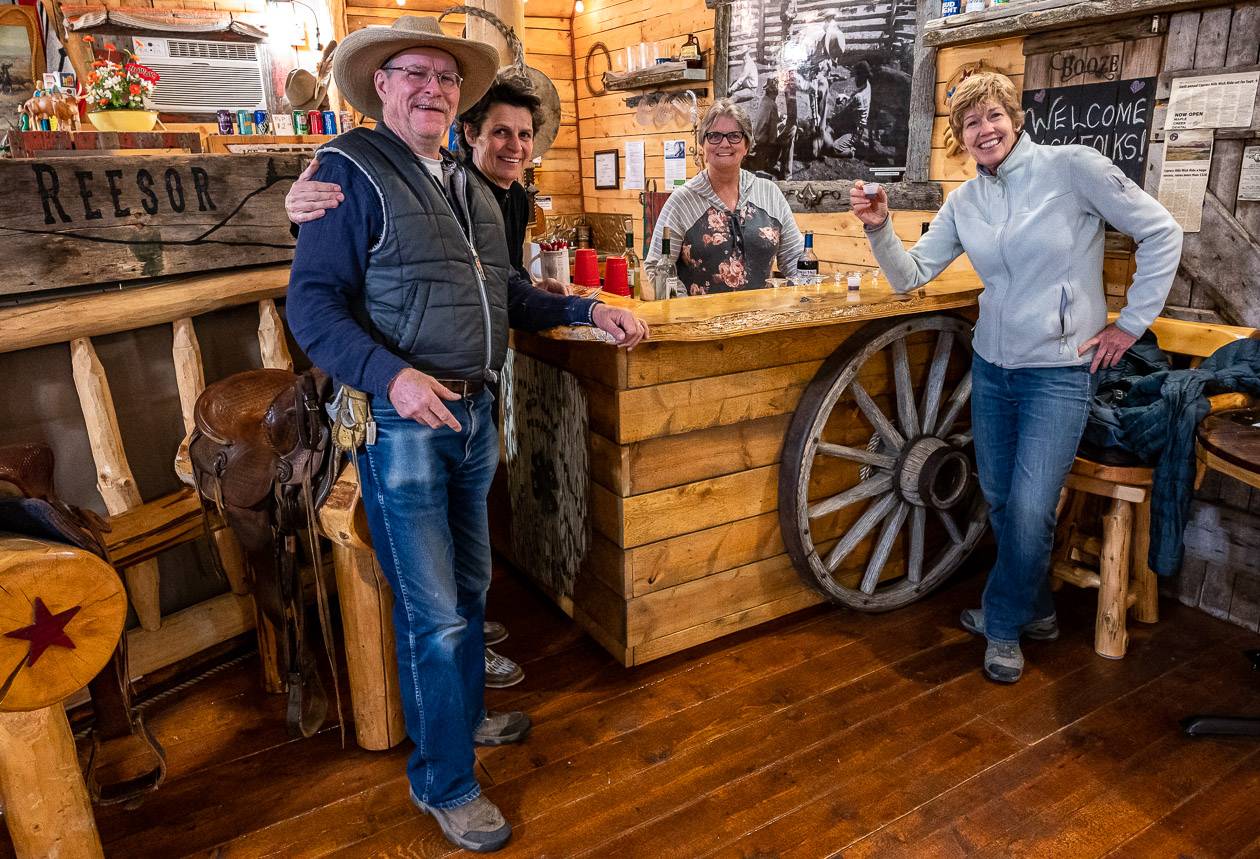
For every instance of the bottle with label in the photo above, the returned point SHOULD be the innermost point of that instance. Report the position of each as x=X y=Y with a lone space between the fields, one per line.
x=807 y=265
x=665 y=281
x=690 y=52
x=633 y=277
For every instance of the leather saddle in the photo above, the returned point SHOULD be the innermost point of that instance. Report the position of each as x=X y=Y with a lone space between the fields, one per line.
x=260 y=453
x=29 y=506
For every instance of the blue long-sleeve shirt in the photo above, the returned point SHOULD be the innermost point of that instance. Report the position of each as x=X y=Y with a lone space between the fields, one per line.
x=326 y=285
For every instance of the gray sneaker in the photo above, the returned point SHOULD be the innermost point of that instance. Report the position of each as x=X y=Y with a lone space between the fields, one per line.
x=500 y=729
x=501 y=672
x=478 y=825
x=1003 y=663
x=493 y=632
x=1046 y=629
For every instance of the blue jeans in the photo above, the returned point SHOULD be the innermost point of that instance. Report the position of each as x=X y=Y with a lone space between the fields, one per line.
x=1027 y=423
x=424 y=491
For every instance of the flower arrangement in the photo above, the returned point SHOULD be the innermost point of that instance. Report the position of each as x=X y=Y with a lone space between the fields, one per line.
x=121 y=84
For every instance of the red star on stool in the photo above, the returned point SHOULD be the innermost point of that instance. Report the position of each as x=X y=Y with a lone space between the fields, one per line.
x=48 y=629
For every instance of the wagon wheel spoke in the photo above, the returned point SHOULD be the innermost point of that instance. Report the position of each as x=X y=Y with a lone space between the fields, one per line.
x=883 y=547
x=914 y=563
x=951 y=527
x=906 y=411
x=867 y=488
x=882 y=425
x=936 y=377
x=961 y=395
x=961 y=440
x=858 y=531
x=856 y=454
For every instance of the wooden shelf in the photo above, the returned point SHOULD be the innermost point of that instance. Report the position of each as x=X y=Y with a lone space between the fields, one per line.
x=1020 y=18
x=663 y=73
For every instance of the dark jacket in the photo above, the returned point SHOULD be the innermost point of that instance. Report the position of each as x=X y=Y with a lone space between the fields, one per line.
x=1153 y=415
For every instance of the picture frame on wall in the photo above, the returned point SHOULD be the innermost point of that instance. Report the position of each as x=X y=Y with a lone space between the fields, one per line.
x=21 y=56
x=607 y=170
x=835 y=92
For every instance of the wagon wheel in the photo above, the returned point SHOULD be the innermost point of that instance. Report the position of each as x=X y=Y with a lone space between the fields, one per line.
x=851 y=463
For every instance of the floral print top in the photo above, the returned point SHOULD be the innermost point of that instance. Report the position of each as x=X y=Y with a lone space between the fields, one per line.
x=717 y=249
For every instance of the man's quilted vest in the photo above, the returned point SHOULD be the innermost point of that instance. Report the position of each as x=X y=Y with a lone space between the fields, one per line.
x=422 y=296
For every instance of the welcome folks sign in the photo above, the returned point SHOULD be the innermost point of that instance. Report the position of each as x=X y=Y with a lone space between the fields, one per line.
x=79 y=220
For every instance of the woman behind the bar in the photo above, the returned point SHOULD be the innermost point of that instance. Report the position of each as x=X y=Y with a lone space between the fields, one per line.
x=1031 y=222
x=726 y=225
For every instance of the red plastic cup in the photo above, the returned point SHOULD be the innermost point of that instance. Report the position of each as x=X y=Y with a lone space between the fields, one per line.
x=615 y=280
x=586 y=267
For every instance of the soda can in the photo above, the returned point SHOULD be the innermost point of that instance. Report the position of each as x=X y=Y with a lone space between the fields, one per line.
x=226 y=124
x=53 y=123
x=44 y=124
x=315 y=120
x=245 y=122
x=347 y=121
x=300 y=125
x=330 y=122
x=260 y=122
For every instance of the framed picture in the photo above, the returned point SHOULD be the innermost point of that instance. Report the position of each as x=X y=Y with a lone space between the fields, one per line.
x=21 y=56
x=835 y=92
x=607 y=169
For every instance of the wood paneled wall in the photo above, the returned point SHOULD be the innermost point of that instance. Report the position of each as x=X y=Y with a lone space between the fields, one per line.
x=605 y=122
x=548 y=44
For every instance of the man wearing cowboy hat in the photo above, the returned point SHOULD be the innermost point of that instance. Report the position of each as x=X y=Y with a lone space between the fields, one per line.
x=405 y=291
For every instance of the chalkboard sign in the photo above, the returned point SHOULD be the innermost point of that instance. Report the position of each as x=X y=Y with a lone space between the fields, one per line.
x=1111 y=116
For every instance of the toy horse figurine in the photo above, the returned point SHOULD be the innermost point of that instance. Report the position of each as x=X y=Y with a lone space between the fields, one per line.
x=43 y=105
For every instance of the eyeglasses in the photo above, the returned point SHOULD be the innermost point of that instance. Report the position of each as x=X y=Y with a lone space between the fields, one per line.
x=715 y=137
x=419 y=77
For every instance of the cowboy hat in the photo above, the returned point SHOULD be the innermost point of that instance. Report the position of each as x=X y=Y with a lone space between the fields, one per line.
x=364 y=51
x=304 y=90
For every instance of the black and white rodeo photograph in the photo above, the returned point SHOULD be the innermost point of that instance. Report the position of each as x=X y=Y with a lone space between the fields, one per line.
x=826 y=83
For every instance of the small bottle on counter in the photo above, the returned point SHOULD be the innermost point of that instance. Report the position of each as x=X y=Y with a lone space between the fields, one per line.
x=633 y=276
x=855 y=286
x=665 y=282
x=807 y=265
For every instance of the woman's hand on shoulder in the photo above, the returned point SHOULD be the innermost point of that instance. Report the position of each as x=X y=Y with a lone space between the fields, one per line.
x=871 y=211
x=308 y=200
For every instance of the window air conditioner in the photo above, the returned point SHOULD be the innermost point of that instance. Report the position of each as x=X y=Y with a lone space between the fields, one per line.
x=203 y=77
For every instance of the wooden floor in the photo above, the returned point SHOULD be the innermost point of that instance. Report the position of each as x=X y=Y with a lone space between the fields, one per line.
x=829 y=732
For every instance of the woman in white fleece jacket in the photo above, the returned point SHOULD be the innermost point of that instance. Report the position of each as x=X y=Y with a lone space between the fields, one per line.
x=1031 y=222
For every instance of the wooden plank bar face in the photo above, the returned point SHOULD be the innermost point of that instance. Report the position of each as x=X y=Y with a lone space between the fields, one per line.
x=99 y=219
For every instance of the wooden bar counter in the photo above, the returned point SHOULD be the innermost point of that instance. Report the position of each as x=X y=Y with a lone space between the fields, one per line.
x=644 y=485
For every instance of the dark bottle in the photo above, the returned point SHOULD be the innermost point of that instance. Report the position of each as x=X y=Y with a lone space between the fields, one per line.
x=808 y=263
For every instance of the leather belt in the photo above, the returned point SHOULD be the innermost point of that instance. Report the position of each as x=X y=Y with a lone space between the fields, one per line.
x=464 y=387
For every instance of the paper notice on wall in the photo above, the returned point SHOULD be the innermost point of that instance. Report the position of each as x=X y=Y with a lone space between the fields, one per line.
x=634 y=165
x=675 y=164
x=1249 y=178
x=1183 y=182
x=543 y=202
x=1212 y=101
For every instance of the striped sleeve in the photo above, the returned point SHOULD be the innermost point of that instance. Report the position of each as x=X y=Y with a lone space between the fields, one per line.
x=683 y=208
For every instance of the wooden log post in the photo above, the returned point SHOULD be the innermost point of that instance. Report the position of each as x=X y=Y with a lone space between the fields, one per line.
x=510 y=12
x=1145 y=585
x=190 y=379
x=1110 y=637
x=367 y=604
x=271 y=343
x=46 y=803
x=113 y=475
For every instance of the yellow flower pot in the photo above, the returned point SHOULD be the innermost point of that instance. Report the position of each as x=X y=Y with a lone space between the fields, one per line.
x=123 y=120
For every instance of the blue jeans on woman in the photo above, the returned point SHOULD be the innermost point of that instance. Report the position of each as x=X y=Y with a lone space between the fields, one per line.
x=1027 y=423
x=424 y=491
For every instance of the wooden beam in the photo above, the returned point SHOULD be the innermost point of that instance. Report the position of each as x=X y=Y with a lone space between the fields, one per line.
x=1224 y=258
x=941 y=34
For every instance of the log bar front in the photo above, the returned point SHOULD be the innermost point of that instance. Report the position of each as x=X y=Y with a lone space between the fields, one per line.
x=644 y=485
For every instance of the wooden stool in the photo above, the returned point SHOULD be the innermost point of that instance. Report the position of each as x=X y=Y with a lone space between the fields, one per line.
x=62 y=612
x=1115 y=564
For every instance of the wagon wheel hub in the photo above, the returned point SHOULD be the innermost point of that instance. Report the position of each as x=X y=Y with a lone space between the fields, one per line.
x=933 y=473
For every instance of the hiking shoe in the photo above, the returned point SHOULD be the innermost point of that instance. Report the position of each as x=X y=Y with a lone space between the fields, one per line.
x=500 y=729
x=478 y=825
x=493 y=632
x=501 y=672
x=1003 y=663
x=1046 y=629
